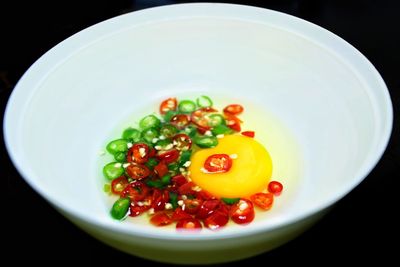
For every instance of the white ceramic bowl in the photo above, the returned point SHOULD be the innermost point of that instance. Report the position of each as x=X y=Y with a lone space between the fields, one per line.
x=72 y=100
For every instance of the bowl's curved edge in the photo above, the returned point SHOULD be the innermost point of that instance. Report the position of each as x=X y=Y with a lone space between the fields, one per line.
x=73 y=43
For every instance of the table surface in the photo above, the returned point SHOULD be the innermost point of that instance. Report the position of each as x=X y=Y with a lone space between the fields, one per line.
x=357 y=230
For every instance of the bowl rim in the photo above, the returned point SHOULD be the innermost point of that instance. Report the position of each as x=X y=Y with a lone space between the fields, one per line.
x=44 y=65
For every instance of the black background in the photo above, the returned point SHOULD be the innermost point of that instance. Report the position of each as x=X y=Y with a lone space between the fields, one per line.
x=359 y=229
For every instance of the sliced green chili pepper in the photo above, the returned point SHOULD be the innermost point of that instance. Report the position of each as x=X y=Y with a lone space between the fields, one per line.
x=173 y=168
x=186 y=106
x=155 y=183
x=120 y=208
x=168 y=130
x=190 y=131
x=221 y=129
x=151 y=163
x=120 y=156
x=149 y=134
x=166 y=179
x=163 y=144
x=230 y=201
x=206 y=141
x=113 y=170
x=173 y=199
x=216 y=120
x=118 y=145
x=204 y=101
x=185 y=156
x=169 y=115
x=149 y=121
x=145 y=141
x=131 y=134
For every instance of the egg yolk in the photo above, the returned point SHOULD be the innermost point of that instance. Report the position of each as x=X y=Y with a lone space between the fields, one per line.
x=250 y=172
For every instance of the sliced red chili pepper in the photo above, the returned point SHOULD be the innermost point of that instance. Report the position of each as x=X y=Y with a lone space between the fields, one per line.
x=179 y=214
x=242 y=212
x=233 y=122
x=161 y=169
x=249 y=133
x=136 y=209
x=179 y=180
x=202 y=130
x=263 y=200
x=223 y=208
x=236 y=127
x=138 y=153
x=200 y=117
x=204 y=195
x=159 y=199
x=119 y=184
x=275 y=188
x=216 y=220
x=189 y=224
x=233 y=109
x=137 y=171
x=182 y=142
x=169 y=104
x=218 y=163
x=160 y=219
x=136 y=191
x=169 y=156
x=186 y=189
x=180 y=121
x=192 y=206
x=207 y=208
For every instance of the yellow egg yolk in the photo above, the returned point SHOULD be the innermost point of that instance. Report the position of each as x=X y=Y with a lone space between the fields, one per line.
x=250 y=172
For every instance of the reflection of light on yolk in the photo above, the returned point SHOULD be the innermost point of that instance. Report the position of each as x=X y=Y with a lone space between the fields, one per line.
x=249 y=174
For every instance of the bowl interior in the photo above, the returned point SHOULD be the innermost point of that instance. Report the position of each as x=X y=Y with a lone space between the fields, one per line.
x=319 y=88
